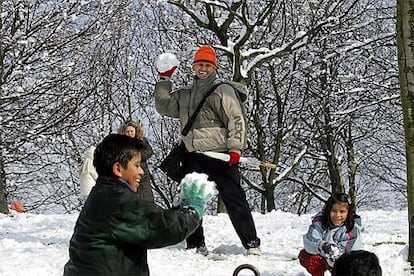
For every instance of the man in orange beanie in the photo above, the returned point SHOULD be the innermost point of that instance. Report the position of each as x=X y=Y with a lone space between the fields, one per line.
x=206 y=54
x=220 y=126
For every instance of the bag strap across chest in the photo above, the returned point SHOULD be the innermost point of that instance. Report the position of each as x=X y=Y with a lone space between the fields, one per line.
x=191 y=120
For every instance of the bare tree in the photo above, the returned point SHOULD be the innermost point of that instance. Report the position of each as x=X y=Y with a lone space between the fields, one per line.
x=302 y=49
x=43 y=86
x=405 y=36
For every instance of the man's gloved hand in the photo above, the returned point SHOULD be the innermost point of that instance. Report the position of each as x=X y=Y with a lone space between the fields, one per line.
x=196 y=190
x=234 y=158
x=166 y=65
x=168 y=73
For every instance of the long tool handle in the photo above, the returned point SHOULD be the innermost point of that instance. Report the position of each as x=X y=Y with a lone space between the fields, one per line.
x=249 y=161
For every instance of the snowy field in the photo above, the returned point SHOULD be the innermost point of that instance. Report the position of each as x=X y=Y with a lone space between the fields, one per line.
x=38 y=245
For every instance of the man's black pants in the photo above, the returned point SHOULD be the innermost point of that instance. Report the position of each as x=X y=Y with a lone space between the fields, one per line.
x=227 y=179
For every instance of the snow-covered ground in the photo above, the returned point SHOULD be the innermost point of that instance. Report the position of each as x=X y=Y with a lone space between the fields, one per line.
x=33 y=245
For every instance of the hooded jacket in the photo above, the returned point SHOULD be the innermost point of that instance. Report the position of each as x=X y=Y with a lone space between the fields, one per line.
x=87 y=174
x=220 y=126
x=115 y=228
x=346 y=242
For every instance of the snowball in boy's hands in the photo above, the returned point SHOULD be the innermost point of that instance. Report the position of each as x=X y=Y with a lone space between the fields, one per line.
x=196 y=185
x=196 y=190
x=166 y=64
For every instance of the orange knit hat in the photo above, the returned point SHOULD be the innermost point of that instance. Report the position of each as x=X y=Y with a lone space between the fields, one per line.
x=205 y=54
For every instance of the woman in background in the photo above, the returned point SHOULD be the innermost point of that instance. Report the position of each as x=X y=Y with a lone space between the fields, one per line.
x=134 y=130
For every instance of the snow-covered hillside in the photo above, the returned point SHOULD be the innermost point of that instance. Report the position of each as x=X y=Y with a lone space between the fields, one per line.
x=33 y=245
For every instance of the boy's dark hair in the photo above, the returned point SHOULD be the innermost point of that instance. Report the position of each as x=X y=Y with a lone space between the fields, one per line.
x=357 y=263
x=339 y=198
x=115 y=148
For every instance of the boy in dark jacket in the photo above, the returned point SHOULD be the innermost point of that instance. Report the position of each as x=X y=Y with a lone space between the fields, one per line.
x=115 y=227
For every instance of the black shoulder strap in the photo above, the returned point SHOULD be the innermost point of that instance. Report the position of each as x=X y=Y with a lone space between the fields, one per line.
x=191 y=121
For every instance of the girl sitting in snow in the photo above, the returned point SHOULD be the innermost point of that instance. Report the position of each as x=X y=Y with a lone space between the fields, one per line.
x=335 y=230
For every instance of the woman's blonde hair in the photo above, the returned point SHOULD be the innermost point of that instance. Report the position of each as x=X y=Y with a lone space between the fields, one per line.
x=139 y=133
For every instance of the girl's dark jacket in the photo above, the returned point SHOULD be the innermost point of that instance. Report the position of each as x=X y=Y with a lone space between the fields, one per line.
x=115 y=228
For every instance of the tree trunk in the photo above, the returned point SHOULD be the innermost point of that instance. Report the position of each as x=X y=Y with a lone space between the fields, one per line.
x=405 y=43
x=3 y=199
x=352 y=167
x=270 y=199
x=329 y=143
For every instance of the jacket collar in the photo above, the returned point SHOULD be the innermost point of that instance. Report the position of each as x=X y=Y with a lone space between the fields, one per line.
x=203 y=86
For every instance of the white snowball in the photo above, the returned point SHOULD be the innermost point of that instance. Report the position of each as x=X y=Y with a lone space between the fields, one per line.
x=166 y=61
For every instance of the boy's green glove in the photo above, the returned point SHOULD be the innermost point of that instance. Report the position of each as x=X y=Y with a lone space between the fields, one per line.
x=196 y=190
